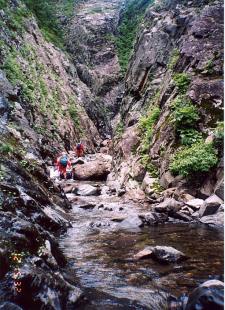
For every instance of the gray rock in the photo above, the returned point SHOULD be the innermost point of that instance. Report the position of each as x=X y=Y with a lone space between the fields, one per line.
x=168 y=205
x=146 y=253
x=210 y=206
x=216 y=220
x=209 y=295
x=195 y=204
x=219 y=191
x=87 y=206
x=132 y=221
x=88 y=190
x=182 y=216
x=167 y=254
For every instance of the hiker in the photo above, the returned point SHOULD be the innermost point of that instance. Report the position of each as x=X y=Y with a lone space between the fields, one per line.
x=79 y=149
x=62 y=164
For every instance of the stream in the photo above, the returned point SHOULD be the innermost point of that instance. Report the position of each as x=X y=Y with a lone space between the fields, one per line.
x=100 y=247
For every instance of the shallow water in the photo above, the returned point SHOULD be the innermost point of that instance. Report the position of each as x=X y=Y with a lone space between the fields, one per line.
x=102 y=257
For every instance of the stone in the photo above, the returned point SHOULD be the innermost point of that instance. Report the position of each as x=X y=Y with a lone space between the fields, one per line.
x=209 y=295
x=210 y=206
x=195 y=204
x=153 y=218
x=216 y=220
x=167 y=254
x=146 y=253
x=87 y=190
x=219 y=191
x=168 y=205
x=87 y=206
x=131 y=222
x=166 y=179
x=182 y=216
x=9 y=306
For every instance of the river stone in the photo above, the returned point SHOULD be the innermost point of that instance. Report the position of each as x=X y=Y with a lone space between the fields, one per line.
x=167 y=254
x=147 y=252
x=88 y=190
x=169 y=204
x=87 y=206
x=216 y=220
x=9 y=306
x=132 y=221
x=211 y=205
x=208 y=296
x=195 y=204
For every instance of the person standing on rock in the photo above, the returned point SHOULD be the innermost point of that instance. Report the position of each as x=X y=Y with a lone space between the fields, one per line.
x=62 y=164
x=79 y=149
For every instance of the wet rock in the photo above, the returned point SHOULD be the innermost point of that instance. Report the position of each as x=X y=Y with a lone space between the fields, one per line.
x=87 y=206
x=153 y=218
x=132 y=221
x=4 y=262
x=209 y=295
x=216 y=220
x=165 y=254
x=195 y=204
x=78 y=161
x=210 y=206
x=88 y=190
x=146 y=253
x=182 y=216
x=100 y=206
x=121 y=192
x=168 y=205
x=9 y=306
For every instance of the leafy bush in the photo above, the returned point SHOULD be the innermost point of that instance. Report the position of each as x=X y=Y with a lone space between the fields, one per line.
x=219 y=131
x=199 y=157
x=119 y=129
x=184 y=112
x=6 y=148
x=174 y=58
x=182 y=81
x=189 y=136
x=149 y=166
x=146 y=125
x=74 y=115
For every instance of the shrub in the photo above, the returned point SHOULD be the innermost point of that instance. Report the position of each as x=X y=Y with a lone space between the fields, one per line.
x=219 y=131
x=74 y=115
x=182 y=81
x=174 y=58
x=189 y=136
x=199 y=157
x=6 y=148
x=149 y=166
x=184 y=112
x=146 y=125
x=119 y=129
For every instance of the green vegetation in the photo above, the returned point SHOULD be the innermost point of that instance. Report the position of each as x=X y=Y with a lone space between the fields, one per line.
x=173 y=59
x=6 y=148
x=3 y=4
x=74 y=113
x=119 y=129
x=128 y=29
x=200 y=157
x=219 y=131
x=150 y=168
x=182 y=81
x=146 y=125
x=189 y=136
x=184 y=113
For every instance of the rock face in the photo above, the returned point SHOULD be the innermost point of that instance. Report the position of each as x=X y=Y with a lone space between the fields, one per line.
x=90 y=41
x=209 y=295
x=175 y=39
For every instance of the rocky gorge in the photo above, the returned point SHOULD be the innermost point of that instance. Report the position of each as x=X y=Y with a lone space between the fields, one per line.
x=140 y=225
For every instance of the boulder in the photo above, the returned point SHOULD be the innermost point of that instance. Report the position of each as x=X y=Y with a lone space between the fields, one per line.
x=182 y=215
x=132 y=221
x=168 y=205
x=219 y=191
x=195 y=204
x=216 y=220
x=97 y=169
x=210 y=206
x=148 y=183
x=146 y=253
x=87 y=206
x=167 y=254
x=208 y=296
x=166 y=179
x=153 y=218
x=88 y=190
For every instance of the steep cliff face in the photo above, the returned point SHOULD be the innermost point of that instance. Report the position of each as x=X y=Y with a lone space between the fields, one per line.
x=41 y=113
x=175 y=80
x=94 y=54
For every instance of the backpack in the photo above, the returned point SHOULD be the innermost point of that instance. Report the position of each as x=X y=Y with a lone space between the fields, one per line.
x=78 y=146
x=63 y=161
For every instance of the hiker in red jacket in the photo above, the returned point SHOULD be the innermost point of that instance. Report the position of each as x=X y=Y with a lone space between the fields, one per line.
x=79 y=149
x=62 y=164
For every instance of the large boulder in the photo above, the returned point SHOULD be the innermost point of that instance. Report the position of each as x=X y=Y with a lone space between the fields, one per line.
x=131 y=222
x=210 y=206
x=208 y=296
x=215 y=220
x=195 y=204
x=97 y=169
